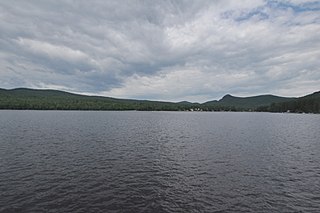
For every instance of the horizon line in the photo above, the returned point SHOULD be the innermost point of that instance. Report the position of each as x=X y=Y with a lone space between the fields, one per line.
x=92 y=95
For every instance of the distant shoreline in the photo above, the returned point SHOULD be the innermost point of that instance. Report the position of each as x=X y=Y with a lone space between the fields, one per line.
x=63 y=110
x=33 y=99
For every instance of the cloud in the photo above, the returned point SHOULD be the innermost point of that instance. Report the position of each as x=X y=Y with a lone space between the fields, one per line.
x=53 y=51
x=191 y=82
x=167 y=50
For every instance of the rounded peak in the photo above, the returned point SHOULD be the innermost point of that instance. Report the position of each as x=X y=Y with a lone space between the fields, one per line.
x=227 y=96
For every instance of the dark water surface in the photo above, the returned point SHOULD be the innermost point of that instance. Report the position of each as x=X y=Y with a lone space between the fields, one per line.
x=68 y=161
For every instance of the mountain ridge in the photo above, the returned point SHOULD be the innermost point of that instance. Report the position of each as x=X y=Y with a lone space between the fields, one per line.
x=50 y=99
x=250 y=102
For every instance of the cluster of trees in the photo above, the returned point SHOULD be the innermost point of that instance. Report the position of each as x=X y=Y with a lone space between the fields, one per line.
x=58 y=100
x=24 y=99
x=309 y=104
x=78 y=104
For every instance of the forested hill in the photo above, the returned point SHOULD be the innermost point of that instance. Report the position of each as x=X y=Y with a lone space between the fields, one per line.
x=246 y=103
x=34 y=99
x=308 y=104
x=23 y=98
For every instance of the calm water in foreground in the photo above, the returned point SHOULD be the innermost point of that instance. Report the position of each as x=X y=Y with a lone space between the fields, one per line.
x=68 y=161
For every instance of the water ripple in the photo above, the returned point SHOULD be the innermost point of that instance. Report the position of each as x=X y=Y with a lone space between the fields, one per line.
x=158 y=162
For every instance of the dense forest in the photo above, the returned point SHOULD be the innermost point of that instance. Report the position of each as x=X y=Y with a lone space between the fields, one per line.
x=31 y=99
x=59 y=100
x=306 y=104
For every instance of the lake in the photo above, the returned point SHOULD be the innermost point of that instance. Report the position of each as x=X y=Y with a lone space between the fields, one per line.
x=79 y=161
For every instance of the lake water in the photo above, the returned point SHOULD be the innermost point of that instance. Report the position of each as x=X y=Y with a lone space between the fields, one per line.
x=73 y=161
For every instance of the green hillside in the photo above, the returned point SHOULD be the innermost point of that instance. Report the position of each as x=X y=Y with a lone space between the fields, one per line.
x=58 y=100
x=245 y=103
x=34 y=99
x=308 y=104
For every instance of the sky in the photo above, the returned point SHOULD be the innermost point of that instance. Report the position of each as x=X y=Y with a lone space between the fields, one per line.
x=162 y=50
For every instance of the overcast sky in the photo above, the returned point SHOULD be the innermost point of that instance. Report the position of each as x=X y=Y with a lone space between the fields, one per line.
x=162 y=50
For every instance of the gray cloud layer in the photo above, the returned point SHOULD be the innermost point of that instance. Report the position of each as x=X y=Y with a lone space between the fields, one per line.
x=165 y=50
